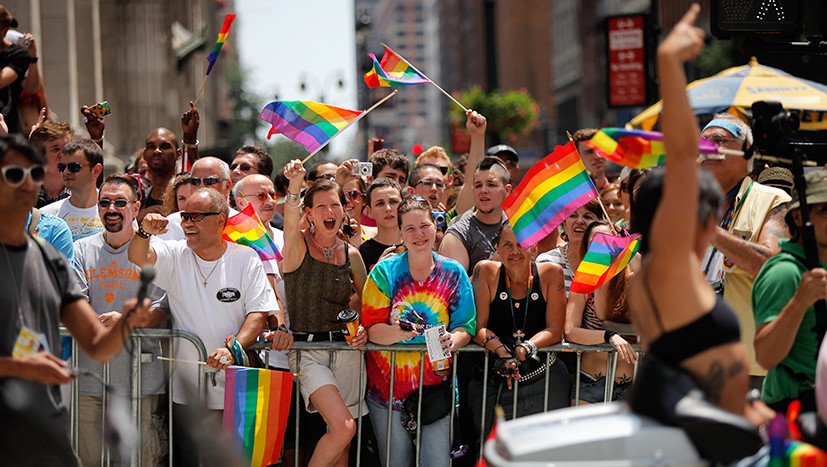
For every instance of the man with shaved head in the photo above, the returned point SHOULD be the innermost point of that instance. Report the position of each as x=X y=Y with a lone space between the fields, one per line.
x=162 y=151
x=215 y=289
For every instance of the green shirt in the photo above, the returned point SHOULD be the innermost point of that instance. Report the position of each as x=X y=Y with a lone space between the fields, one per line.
x=774 y=286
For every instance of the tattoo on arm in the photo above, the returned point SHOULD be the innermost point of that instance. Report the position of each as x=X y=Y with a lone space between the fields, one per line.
x=476 y=277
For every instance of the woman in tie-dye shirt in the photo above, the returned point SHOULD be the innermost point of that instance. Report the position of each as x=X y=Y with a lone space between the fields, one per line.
x=421 y=289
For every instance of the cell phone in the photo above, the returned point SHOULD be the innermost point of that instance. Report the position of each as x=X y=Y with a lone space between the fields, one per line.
x=348 y=230
x=406 y=325
x=362 y=169
x=399 y=249
x=100 y=110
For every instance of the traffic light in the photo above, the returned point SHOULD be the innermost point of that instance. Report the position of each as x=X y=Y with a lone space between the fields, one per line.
x=782 y=19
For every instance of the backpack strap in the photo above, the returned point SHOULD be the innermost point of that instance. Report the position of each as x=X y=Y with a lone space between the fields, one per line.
x=56 y=264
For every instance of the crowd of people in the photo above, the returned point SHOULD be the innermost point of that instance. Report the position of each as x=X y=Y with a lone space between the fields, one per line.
x=720 y=289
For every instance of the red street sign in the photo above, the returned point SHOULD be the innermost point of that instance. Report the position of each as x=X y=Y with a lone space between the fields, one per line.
x=627 y=60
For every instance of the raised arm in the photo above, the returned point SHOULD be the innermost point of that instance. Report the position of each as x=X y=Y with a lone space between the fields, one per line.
x=476 y=124
x=673 y=228
x=189 y=131
x=294 y=246
x=140 y=253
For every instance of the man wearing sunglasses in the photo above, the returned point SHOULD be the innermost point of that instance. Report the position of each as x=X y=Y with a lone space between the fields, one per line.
x=38 y=294
x=108 y=279
x=207 y=172
x=215 y=289
x=80 y=165
x=250 y=160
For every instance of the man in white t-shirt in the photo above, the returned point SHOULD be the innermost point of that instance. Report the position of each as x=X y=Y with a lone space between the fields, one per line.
x=215 y=289
x=80 y=165
x=207 y=172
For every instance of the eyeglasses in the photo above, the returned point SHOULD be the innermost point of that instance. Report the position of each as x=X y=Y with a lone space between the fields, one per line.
x=15 y=175
x=262 y=195
x=208 y=181
x=73 y=167
x=444 y=169
x=244 y=167
x=721 y=141
x=196 y=216
x=104 y=203
x=437 y=183
x=355 y=194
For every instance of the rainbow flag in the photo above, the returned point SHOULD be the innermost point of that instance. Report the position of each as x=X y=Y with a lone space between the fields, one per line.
x=637 y=149
x=393 y=70
x=550 y=191
x=245 y=228
x=222 y=38
x=606 y=257
x=256 y=404
x=800 y=454
x=308 y=123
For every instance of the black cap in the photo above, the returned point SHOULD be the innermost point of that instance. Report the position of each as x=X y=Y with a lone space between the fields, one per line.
x=503 y=151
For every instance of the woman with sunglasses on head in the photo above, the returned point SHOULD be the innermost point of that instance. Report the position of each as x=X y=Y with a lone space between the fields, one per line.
x=175 y=198
x=567 y=255
x=585 y=315
x=676 y=211
x=355 y=195
x=321 y=271
x=521 y=307
x=405 y=294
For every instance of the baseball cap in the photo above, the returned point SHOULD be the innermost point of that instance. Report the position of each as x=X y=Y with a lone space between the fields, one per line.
x=816 y=189
x=503 y=151
x=6 y=19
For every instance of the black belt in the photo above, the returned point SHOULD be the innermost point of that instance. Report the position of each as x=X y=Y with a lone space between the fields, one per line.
x=332 y=336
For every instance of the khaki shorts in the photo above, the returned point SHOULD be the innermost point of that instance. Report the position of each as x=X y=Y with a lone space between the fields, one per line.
x=340 y=368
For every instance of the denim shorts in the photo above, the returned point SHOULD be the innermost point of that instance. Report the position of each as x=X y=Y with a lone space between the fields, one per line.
x=593 y=390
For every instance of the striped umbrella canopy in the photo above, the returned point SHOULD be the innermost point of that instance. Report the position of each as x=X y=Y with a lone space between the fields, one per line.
x=735 y=89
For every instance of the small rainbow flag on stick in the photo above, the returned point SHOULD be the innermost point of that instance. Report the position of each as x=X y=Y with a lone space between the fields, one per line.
x=245 y=228
x=219 y=44
x=606 y=257
x=637 y=149
x=256 y=405
x=550 y=191
x=393 y=70
x=308 y=123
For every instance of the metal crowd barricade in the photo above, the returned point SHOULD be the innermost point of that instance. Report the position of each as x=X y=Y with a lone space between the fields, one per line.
x=138 y=357
x=204 y=378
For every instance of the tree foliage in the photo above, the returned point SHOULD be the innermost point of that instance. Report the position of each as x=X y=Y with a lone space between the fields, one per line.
x=511 y=114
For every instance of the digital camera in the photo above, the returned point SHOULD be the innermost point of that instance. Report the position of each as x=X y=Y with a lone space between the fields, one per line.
x=362 y=169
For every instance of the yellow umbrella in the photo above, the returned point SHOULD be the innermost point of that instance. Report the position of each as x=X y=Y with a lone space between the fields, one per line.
x=735 y=89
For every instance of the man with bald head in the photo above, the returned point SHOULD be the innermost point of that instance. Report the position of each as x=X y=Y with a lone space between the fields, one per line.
x=161 y=153
x=207 y=172
x=215 y=289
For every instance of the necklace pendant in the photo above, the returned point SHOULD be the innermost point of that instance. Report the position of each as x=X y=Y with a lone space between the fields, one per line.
x=517 y=305
x=205 y=284
x=518 y=335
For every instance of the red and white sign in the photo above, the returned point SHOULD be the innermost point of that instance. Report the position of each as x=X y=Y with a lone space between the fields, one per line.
x=627 y=61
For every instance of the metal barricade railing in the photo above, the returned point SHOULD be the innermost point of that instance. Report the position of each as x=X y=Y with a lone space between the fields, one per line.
x=203 y=380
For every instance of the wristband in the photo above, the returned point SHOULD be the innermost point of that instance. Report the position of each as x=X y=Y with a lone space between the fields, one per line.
x=282 y=328
x=143 y=233
x=607 y=335
x=489 y=338
x=293 y=200
x=191 y=146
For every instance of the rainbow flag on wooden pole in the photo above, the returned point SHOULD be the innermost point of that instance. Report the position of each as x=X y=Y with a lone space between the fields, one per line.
x=606 y=257
x=245 y=228
x=549 y=192
x=216 y=51
x=638 y=149
x=256 y=405
x=312 y=124
x=395 y=70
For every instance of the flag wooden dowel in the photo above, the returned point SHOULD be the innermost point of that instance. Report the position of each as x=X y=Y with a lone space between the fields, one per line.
x=367 y=111
x=739 y=153
x=200 y=90
x=464 y=109
x=194 y=362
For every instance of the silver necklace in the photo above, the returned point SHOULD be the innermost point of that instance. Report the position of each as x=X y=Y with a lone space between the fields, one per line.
x=198 y=269
x=326 y=251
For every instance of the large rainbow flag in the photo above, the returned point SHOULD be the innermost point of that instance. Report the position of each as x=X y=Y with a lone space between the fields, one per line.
x=606 y=257
x=219 y=44
x=549 y=192
x=245 y=228
x=308 y=123
x=256 y=405
x=393 y=70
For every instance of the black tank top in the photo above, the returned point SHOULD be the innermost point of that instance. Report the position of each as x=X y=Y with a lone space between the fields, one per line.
x=500 y=320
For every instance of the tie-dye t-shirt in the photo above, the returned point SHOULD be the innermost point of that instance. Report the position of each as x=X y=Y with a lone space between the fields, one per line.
x=390 y=294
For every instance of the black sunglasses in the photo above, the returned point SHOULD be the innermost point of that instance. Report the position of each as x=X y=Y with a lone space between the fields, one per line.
x=444 y=170
x=104 y=203
x=244 y=167
x=15 y=175
x=73 y=167
x=208 y=181
x=196 y=216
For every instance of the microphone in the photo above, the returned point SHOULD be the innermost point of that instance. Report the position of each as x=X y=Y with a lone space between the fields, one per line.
x=147 y=275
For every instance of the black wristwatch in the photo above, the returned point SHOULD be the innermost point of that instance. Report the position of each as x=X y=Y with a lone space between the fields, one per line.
x=282 y=328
